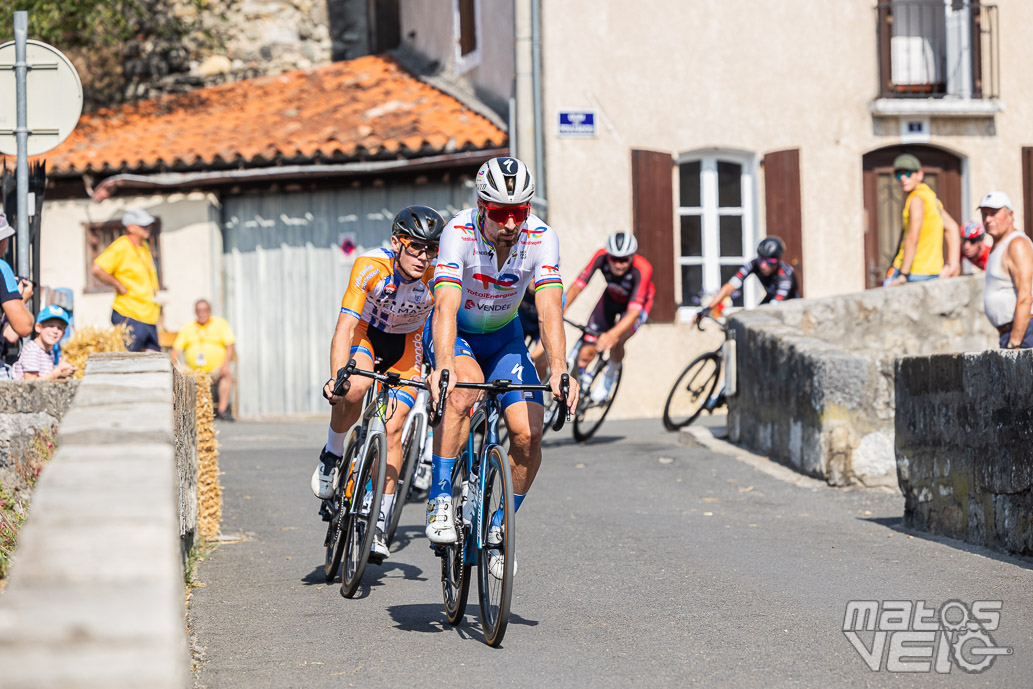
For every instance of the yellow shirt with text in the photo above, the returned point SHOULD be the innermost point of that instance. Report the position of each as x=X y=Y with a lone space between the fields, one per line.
x=204 y=346
x=134 y=267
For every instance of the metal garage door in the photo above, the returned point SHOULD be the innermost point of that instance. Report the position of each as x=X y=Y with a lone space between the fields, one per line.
x=285 y=274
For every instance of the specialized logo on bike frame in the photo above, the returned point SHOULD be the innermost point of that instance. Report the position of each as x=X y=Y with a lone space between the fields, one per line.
x=923 y=638
x=504 y=283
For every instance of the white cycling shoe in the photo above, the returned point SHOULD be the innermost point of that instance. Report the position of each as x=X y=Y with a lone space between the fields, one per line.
x=324 y=475
x=602 y=391
x=496 y=560
x=441 y=527
x=379 y=553
x=422 y=479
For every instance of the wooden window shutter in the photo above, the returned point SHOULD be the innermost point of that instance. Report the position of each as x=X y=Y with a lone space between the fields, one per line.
x=1027 y=190
x=782 y=205
x=652 y=193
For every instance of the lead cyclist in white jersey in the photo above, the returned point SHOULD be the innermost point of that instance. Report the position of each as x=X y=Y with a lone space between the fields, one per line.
x=488 y=255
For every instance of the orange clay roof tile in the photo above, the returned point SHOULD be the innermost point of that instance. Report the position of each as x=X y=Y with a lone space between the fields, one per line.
x=369 y=106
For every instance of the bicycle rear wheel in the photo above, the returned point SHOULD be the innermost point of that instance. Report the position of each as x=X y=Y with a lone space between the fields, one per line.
x=335 y=530
x=362 y=518
x=455 y=575
x=410 y=458
x=691 y=391
x=590 y=415
x=497 y=561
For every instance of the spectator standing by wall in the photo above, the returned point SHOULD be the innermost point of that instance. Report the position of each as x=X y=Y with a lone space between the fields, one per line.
x=1008 y=297
x=128 y=267
x=926 y=226
x=208 y=345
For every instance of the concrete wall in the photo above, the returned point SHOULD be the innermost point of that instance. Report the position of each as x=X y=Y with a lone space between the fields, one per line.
x=964 y=433
x=96 y=593
x=28 y=408
x=191 y=246
x=815 y=376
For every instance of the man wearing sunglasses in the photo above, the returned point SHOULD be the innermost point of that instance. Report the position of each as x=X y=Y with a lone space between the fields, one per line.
x=776 y=276
x=975 y=246
x=382 y=314
x=489 y=254
x=622 y=309
x=926 y=226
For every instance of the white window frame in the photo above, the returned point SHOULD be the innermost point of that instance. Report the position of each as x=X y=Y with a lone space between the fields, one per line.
x=711 y=213
x=464 y=63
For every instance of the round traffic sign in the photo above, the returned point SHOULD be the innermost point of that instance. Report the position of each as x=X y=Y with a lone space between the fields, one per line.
x=53 y=97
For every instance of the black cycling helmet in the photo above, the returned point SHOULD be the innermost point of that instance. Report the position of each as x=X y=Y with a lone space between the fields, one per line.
x=771 y=247
x=419 y=222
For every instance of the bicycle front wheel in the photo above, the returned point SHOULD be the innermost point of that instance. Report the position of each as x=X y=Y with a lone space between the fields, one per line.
x=455 y=574
x=336 y=529
x=590 y=415
x=497 y=558
x=691 y=391
x=410 y=458
x=362 y=519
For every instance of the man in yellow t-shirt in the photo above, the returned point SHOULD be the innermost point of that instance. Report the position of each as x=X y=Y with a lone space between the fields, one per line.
x=127 y=266
x=207 y=344
x=926 y=226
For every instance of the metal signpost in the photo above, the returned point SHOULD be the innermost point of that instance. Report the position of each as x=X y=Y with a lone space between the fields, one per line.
x=48 y=103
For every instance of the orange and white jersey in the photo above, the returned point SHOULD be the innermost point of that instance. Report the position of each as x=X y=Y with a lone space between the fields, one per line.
x=380 y=295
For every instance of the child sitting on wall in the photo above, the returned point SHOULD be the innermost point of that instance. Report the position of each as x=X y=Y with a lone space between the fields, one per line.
x=37 y=358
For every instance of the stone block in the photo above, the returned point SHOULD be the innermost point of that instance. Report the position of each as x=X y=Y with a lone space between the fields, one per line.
x=118 y=423
x=128 y=363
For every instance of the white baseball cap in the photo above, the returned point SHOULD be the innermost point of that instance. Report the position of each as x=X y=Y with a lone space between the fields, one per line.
x=996 y=199
x=5 y=228
x=137 y=216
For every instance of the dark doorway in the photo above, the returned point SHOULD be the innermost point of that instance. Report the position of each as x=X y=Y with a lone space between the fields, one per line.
x=884 y=201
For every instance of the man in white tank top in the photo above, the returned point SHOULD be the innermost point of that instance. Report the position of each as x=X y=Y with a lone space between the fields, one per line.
x=1008 y=298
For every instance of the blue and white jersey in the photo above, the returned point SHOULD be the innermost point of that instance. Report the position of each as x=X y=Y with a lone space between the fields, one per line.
x=491 y=295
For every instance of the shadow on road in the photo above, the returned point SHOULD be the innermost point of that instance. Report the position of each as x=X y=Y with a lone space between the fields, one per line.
x=897 y=524
x=430 y=618
x=595 y=440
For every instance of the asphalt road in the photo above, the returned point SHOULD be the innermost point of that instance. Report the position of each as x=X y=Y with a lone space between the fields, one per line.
x=642 y=563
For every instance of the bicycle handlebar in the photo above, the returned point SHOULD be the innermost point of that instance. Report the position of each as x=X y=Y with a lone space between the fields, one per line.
x=583 y=328
x=394 y=380
x=503 y=385
x=700 y=316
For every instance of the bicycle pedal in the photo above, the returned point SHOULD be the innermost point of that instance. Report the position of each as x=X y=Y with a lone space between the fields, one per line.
x=439 y=550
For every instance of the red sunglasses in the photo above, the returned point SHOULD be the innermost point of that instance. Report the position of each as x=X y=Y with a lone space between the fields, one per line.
x=620 y=260
x=501 y=214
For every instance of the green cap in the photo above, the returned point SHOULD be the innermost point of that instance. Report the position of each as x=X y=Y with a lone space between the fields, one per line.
x=907 y=162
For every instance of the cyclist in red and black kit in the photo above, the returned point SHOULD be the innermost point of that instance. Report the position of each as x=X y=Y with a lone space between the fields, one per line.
x=775 y=275
x=623 y=307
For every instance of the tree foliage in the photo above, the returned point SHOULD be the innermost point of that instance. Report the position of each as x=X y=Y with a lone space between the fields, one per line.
x=73 y=23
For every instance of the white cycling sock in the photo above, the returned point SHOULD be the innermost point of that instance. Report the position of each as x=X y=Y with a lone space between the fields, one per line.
x=335 y=442
x=387 y=503
x=612 y=369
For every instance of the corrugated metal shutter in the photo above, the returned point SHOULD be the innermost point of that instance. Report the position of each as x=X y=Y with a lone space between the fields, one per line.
x=284 y=277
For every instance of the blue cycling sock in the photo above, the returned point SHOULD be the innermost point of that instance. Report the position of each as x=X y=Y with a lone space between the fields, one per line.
x=496 y=519
x=441 y=470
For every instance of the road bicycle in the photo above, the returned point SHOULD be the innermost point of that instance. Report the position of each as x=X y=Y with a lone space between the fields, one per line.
x=359 y=479
x=414 y=442
x=590 y=415
x=482 y=500
x=698 y=388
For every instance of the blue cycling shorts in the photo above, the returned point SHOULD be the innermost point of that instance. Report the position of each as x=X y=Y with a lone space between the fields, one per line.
x=500 y=354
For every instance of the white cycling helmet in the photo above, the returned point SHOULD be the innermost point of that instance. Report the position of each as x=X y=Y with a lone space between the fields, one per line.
x=505 y=181
x=621 y=244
